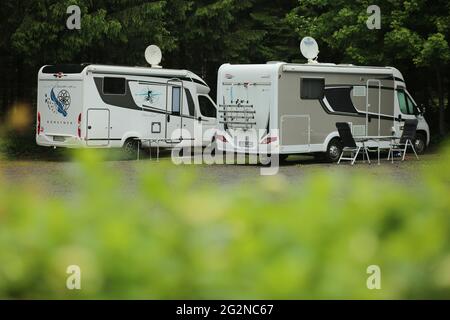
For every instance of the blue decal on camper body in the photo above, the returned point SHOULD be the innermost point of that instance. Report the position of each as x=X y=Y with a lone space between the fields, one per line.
x=58 y=103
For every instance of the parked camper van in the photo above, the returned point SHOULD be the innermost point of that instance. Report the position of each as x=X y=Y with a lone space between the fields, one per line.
x=110 y=106
x=293 y=108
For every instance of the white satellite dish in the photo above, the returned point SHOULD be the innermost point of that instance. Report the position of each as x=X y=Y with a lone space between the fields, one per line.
x=309 y=49
x=153 y=56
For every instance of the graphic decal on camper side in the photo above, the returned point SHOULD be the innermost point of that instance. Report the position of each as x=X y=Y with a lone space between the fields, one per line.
x=149 y=96
x=58 y=103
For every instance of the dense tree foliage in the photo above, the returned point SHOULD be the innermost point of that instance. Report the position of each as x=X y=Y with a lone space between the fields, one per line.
x=201 y=35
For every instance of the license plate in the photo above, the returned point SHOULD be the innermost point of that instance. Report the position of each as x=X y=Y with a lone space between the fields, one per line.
x=59 y=138
x=245 y=144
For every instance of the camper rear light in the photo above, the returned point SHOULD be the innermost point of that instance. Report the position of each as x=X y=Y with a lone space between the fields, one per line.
x=79 y=126
x=269 y=140
x=38 y=127
x=221 y=138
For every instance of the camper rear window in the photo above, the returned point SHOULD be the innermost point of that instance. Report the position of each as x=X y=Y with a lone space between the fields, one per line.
x=113 y=85
x=312 y=88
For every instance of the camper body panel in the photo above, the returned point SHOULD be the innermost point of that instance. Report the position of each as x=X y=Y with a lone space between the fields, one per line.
x=59 y=105
x=252 y=88
x=365 y=97
x=307 y=125
x=159 y=107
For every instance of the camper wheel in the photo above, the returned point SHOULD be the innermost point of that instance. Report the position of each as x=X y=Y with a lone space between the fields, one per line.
x=420 y=142
x=131 y=146
x=334 y=150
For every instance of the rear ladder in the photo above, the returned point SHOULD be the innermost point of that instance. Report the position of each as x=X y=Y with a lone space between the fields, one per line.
x=237 y=116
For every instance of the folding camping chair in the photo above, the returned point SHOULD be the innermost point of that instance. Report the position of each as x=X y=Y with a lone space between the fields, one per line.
x=349 y=145
x=406 y=140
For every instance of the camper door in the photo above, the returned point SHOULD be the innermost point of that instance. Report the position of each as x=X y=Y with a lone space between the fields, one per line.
x=174 y=109
x=98 y=127
x=406 y=109
x=151 y=96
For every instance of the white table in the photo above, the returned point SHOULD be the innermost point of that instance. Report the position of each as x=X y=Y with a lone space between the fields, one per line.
x=376 y=139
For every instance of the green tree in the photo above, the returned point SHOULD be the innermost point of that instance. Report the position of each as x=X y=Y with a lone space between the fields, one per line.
x=215 y=32
x=435 y=53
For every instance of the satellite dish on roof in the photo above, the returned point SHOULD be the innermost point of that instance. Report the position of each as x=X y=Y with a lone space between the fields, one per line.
x=153 y=56
x=309 y=49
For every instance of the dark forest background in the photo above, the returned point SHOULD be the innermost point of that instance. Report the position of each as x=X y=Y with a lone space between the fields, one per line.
x=201 y=35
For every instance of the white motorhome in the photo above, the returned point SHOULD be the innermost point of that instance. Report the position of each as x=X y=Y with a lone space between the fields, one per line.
x=293 y=108
x=111 y=106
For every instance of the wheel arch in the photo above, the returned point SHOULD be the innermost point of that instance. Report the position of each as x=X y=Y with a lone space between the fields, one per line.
x=130 y=135
x=330 y=137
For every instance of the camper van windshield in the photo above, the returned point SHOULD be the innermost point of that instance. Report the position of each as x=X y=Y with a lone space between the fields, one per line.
x=207 y=108
x=405 y=103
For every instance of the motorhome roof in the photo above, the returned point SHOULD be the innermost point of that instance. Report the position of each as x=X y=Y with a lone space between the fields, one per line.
x=321 y=67
x=125 y=70
x=343 y=68
x=338 y=67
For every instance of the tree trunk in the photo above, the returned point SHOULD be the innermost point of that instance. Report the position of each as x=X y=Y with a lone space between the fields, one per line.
x=442 y=129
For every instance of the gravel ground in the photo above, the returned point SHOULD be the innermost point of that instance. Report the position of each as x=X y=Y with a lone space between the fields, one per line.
x=54 y=177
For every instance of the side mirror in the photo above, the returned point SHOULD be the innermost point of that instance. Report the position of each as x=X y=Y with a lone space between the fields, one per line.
x=422 y=109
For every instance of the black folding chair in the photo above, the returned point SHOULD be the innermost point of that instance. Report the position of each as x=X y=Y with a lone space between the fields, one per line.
x=406 y=140
x=349 y=145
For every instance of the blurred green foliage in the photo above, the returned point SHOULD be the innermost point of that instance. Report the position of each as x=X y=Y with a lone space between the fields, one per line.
x=174 y=237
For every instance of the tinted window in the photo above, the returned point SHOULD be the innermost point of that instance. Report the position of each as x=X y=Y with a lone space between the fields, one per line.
x=207 y=108
x=402 y=102
x=190 y=101
x=113 y=85
x=340 y=100
x=411 y=106
x=312 y=88
x=176 y=100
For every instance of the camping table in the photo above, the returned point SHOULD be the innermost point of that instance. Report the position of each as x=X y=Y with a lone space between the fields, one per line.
x=377 y=139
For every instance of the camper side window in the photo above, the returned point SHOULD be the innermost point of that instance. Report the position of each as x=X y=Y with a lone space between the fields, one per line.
x=207 y=108
x=312 y=88
x=176 y=100
x=405 y=103
x=411 y=106
x=190 y=102
x=113 y=85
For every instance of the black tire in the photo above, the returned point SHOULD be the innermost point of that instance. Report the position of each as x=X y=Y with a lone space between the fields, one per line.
x=420 y=143
x=334 y=150
x=130 y=147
